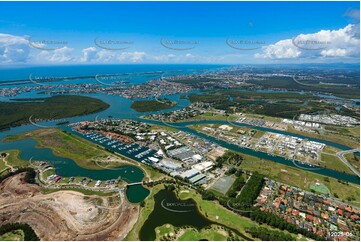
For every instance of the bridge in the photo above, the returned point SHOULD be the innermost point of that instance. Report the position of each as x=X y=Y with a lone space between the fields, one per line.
x=134 y=183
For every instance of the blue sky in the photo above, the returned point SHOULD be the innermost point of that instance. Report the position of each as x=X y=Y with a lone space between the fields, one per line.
x=151 y=32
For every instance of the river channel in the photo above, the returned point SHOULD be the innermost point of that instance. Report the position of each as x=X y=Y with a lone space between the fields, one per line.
x=120 y=109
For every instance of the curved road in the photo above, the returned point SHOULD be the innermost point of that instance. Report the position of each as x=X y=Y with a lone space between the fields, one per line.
x=341 y=154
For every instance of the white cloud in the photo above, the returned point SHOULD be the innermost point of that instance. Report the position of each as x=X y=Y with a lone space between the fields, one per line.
x=13 y=49
x=354 y=14
x=341 y=43
x=281 y=49
x=91 y=54
x=136 y=56
x=60 y=55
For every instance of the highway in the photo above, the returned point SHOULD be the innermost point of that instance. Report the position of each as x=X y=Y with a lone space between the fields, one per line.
x=341 y=154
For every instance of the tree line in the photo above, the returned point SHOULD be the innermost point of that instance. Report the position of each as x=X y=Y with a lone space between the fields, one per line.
x=29 y=177
x=277 y=222
x=266 y=234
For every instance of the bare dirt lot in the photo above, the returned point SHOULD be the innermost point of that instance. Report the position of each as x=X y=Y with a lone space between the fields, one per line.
x=65 y=215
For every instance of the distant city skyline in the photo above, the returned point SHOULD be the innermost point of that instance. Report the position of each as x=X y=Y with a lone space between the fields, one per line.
x=63 y=33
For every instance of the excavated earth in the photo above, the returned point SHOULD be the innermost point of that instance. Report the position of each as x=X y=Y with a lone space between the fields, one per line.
x=65 y=215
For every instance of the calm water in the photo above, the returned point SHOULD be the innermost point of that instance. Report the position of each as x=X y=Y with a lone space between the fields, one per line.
x=120 y=109
x=66 y=167
x=168 y=209
x=136 y=193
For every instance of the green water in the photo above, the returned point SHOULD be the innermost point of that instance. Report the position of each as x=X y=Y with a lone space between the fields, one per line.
x=136 y=193
x=179 y=213
x=168 y=209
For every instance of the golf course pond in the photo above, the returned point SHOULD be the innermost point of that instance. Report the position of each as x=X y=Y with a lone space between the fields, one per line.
x=169 y=209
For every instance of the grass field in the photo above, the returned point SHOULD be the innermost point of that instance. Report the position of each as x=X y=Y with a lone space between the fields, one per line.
x=14 y=160
x=320 y=188
x=16 y=235
x=2 y=165
x=330 y=149
x=11 y=160
x=333 y=162
x=354 y=160
x=205 y=234
x=207 y=116
x=355 y=131
x=164 y=230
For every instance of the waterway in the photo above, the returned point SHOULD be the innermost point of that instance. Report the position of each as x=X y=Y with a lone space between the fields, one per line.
x=263 y=155
x=169 y=209
x=120 y=109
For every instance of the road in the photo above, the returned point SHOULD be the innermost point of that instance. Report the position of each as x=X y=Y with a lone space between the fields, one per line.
x=341 y=154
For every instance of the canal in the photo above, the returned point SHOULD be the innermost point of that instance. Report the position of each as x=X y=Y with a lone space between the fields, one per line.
x=319 y=170
x=120 y=109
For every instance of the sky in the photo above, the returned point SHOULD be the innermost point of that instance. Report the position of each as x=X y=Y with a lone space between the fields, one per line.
x=63 y=33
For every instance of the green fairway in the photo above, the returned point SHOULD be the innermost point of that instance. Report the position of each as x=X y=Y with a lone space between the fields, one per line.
x=212 y=234
x=16 y=235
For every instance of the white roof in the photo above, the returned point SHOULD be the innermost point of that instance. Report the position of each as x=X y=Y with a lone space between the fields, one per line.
x=153 y=159
x=189 y=173
x=203 y=166
x=197 y=157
